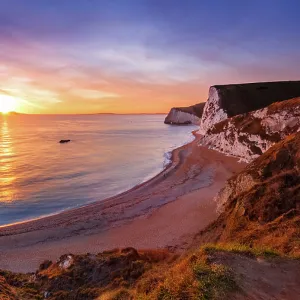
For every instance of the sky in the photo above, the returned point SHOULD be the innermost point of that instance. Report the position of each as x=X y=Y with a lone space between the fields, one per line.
x=140 y=56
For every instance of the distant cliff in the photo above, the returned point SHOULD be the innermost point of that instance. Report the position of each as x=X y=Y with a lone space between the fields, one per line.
x=247 y=136
x=185 y=115
x=226 y=101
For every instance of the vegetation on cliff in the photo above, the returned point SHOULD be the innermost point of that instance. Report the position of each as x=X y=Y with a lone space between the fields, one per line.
x=261 y=205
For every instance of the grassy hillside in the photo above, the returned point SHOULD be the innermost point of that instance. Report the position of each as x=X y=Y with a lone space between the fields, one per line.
x=228 y=271
x=262 y=203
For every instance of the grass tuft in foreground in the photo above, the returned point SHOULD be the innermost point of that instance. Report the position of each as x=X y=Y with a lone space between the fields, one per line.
x=193 y=277
x=241 y=249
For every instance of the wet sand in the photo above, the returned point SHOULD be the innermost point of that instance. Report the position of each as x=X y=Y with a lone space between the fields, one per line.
x=164 y=212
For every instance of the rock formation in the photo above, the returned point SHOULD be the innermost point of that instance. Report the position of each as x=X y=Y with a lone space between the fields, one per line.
x=64 y=141
x=249 y=135
x=261 y=205
x=185 y=115
x=226 y=101
x=81 y=277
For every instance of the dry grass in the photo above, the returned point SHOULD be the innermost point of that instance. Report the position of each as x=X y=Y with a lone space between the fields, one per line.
x=192 y=277
x=120 y=294
x=265 y=212
x=14 y=286
x=203 y=275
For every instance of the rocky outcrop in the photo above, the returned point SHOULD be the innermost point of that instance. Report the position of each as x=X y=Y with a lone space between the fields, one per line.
x=226 y=101
x=249 y=135
x=185 y=115
x=261 y=205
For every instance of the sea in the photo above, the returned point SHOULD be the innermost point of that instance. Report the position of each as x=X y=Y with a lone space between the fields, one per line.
x=107 y=155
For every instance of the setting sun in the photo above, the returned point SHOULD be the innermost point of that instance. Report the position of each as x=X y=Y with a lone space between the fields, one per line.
x=7 y=104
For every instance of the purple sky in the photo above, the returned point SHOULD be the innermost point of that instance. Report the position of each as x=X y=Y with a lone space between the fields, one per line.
x=62 y=56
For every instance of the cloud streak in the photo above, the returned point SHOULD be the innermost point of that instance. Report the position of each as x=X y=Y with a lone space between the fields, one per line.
x=140 y=55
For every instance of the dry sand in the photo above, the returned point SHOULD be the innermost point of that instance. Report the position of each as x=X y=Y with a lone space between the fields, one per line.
x=165 y=212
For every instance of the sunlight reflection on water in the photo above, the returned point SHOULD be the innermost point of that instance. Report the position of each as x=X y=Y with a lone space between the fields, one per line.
x=6 y=170
x=108 y=154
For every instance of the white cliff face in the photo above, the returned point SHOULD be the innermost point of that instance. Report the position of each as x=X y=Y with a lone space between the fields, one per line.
x=227 y=101
x=249 y=135
x=213 y=112
x=178 y=117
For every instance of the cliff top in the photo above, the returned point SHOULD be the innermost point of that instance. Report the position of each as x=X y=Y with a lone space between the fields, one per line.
x=241 y=98
x=262 y=84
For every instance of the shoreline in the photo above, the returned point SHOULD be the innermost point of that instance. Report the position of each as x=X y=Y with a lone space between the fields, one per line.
x=119 y=194
x=150 y=215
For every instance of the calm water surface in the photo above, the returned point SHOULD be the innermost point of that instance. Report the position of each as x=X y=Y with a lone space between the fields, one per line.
x=108 y=154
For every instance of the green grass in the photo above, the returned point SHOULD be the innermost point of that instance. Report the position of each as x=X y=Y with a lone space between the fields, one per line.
x=241 y=249
x=215 y=281
x=194 y=277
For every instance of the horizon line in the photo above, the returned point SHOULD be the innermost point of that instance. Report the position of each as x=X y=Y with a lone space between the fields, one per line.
x=19 y=113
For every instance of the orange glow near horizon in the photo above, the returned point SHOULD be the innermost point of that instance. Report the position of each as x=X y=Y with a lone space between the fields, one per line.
x=47 y=97
x=144 y=85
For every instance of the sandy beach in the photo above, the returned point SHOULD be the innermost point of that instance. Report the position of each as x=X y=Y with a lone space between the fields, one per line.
x=164 y=212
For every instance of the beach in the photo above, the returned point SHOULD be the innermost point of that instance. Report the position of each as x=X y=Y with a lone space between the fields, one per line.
x=164 y=212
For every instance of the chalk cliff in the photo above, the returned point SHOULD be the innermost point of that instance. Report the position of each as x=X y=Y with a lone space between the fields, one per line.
x=185 y=115
x=249 y=135
x=226 y=101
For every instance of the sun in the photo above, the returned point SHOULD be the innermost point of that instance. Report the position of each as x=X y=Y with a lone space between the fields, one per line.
x=7 y=104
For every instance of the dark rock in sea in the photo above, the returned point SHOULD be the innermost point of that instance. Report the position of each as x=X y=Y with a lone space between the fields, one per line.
x=185 y=115
x=64 y=141
x=226 y=101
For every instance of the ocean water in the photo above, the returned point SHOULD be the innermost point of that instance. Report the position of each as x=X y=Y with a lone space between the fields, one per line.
x=108 y=154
